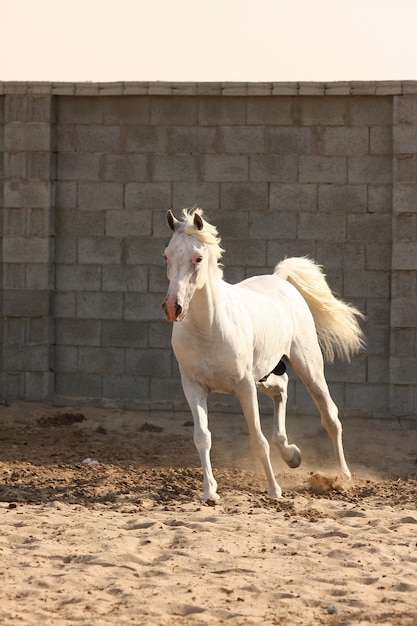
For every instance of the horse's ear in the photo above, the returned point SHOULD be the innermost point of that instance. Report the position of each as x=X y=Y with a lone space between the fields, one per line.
x=172 y=220
x=198 y=221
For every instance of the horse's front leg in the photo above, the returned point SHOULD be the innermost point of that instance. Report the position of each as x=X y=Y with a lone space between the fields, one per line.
x=197 y=399
x=246 y=394
x=276 y=388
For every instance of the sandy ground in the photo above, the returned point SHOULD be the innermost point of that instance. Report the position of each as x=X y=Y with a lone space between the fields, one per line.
x=126 y=540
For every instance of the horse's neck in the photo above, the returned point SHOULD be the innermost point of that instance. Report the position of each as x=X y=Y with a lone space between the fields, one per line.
x=206 y=308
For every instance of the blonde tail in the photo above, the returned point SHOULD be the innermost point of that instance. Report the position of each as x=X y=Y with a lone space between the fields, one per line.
x=337 y=328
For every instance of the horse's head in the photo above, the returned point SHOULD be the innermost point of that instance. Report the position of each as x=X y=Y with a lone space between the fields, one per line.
x=193 y=249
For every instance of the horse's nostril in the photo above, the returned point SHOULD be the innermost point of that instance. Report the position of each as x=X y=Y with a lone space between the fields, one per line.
x=178 y=310
x=164 y=306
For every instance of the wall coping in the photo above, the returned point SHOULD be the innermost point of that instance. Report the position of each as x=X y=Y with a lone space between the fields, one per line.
x=342 y=88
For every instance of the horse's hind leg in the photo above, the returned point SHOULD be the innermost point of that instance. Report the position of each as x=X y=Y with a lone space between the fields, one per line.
x=310 y=368
x=246 y=394
x=276 y=388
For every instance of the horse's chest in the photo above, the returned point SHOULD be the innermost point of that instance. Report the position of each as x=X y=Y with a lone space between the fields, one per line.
x=215 y=365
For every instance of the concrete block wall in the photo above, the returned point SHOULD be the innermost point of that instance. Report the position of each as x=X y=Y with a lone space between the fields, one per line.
x=326 y=170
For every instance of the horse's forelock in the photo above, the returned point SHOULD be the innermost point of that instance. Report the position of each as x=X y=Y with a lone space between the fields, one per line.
x=208 y=234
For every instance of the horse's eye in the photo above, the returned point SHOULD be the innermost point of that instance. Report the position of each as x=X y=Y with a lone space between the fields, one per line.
x=199 y=259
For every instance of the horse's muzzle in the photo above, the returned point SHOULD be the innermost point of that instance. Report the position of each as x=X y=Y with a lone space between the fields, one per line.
x=173 y=311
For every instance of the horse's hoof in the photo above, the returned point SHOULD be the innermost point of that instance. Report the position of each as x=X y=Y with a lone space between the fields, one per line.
x=295 y=460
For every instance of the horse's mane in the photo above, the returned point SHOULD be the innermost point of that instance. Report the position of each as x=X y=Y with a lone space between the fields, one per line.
x=208 y=234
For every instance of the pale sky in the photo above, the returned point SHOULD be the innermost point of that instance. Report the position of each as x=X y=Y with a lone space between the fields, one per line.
x=216 y=40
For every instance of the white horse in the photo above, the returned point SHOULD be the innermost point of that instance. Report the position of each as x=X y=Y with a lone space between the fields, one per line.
x=229 y=339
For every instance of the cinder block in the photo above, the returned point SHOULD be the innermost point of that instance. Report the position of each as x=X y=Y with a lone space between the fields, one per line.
x=148 y=196
x=27 y=194
x=378 y=256
x=343 y=198
x=80 y=110
x=405 y=110
x=403 y=341
x=322 y=169
x=370 y=398
x=167 y=111
x=403 y=370
x=274 y=168
x=14 y=330
x=378 y=369
x=143 y=307
x=219 y=111
x=275 y=111
x=126 y=223
x=141 y=251
x=39 y=276
x=380 y=198
x=144 y=138
x=65 y=250
x=244 y=196
x=380 y=139
x=98 y=138
x=65 y=195
x=26 y=303
x=66 y=359
x=74 y=223
x=75 y=332
x=167 y=389
x=364 y=226
x=78 y=166
x=402 y=400
x=64 y=304
x=124 y=278
x=230 y=224
x=78 y=277
x=124 y=168
x=405 y=197
x=148 y=362
x=313 y=111
x=367 y=111
x=404 y=255
x=190 y=194
x=403 y=283
x=292 y=197
x=160 y=334
x=369 y=283
x=334 y=256
x=404 y=139
x=370 y=169
x=99 y=196
x=193 y=139
x=322 y=226
x=81 y=386
x=158 y=282
x=247 y=252
x=21 y=136
x=131 y=110
x=96 y=305
x=242 y=139
x=404 y=227
x=14 y=276
x=125 y=334
x=267 y=225
x=26 y=357
x=175 y=168
x=100 y=251
x=126 y=387
x=343 y=140
x=39 y=386
x=288 y=140
x=100 y=360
